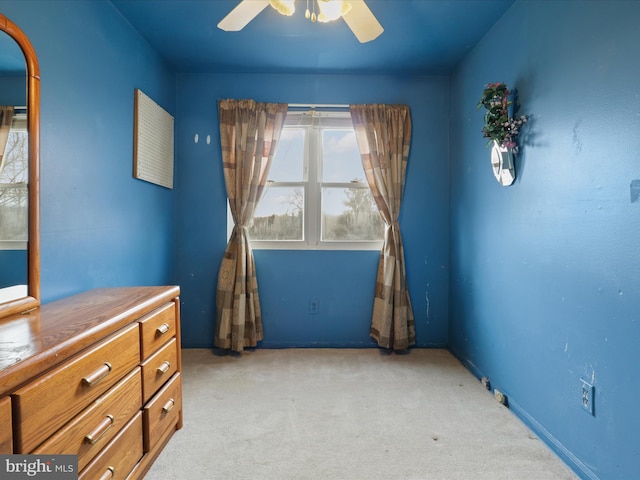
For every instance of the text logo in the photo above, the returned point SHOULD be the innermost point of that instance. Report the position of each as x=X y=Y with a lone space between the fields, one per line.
x=49 y=467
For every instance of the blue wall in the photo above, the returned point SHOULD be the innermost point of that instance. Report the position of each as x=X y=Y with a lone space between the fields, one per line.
x=14 y=268
x=13 y=89
x=544 y=274
x=100 y=226
x=343 y=282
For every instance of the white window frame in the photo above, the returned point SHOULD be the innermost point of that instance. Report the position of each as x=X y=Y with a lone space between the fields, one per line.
x=312 y=185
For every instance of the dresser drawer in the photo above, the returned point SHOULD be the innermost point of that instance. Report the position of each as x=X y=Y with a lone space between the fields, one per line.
x=6 y=437
x=50 y=401
x=157 y=328
x=118 y=458
x=96 y=425
x=162 y=412
x=157 y=369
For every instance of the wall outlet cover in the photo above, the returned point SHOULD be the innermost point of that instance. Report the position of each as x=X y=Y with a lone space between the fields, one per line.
x=588 y=392
x=314 y=307
x=500 y=397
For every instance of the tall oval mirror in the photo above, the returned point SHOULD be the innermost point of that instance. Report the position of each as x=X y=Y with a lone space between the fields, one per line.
x=19 y=172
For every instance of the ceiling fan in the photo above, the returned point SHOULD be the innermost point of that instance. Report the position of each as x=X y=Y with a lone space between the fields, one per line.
x=355 y=13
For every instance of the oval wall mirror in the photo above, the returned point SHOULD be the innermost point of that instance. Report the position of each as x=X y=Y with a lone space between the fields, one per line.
x=19 y=172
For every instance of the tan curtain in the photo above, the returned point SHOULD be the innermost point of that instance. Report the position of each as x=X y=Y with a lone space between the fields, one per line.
x=383 y=133
x=6 y=118
x=249 y=133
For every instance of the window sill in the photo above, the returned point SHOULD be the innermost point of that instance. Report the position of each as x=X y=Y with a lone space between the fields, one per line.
x=13 y=245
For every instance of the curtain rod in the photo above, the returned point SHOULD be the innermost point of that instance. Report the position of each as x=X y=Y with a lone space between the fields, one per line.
x=318 y=105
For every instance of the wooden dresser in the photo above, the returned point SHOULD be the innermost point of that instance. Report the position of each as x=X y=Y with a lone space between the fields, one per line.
x=97 y=375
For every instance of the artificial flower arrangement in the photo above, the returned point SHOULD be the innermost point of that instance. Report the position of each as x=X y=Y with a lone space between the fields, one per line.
x=498 y=126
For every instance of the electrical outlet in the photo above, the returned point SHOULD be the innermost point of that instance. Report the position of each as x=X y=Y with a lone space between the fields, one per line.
x=588 y=397
x=314 y=307
x=500 y=397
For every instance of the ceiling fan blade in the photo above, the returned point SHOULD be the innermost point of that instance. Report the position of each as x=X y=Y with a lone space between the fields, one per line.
x=362 y=22
x=242 y=14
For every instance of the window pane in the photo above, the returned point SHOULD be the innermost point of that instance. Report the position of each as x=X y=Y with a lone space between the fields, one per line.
x=317 y=196
x=13 y=188
x=279 y=215
x=350 y=214
x=14 y=163
x=13 y=213
x=288 y=161
x=340 y=156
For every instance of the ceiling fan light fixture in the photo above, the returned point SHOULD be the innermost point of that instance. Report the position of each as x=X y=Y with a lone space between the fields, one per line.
x=283 y=7
x=355 y=13
x=331 y=10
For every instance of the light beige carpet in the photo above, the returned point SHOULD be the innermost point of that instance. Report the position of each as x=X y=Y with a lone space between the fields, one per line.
x=346 y=414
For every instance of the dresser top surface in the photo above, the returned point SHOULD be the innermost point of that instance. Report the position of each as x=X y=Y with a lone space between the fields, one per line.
x=33 y=342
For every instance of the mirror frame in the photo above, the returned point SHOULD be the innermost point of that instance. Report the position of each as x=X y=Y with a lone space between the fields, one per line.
x=32 y=301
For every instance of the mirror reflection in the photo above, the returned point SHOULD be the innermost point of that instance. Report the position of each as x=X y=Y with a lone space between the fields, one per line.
x=14 y=171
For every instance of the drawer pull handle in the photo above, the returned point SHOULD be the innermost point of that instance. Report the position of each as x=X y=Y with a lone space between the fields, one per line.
x=100 y=430
x=108 y=475
x=164 y=368
x=169 y=406
x=162 y=329
x=93 y=378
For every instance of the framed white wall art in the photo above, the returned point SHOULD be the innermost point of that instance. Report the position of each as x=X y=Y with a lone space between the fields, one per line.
x=153 y=142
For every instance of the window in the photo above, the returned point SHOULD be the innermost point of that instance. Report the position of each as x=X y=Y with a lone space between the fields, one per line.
x=14 y=177
x=316 y=196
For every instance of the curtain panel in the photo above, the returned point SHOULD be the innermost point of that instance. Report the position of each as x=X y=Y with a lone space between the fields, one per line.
x=6 y=118
x=383 y=133
x=249 y=134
